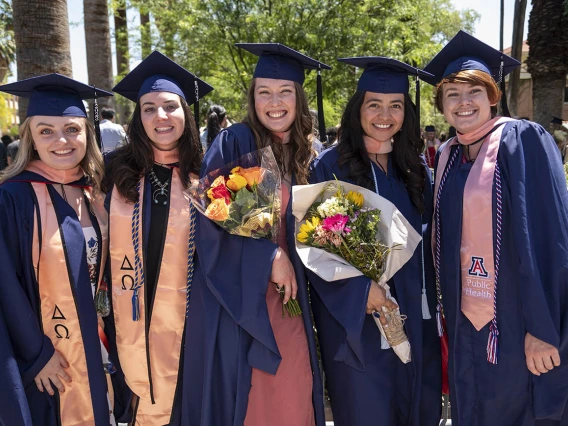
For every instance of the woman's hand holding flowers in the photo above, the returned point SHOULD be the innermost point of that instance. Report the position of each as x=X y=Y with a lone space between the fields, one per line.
x=283 y=275
x=378 y=299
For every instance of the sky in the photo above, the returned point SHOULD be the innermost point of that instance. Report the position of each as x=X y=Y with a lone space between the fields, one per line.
x=487 y=30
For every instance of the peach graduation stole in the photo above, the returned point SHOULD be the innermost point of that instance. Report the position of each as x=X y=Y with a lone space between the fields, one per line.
x=477 y=255
x=60 y=319
x=150 y=354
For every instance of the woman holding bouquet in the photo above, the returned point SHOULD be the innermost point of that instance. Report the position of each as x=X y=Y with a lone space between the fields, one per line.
x=152 y=243
x=379 y=148
x=265 y=369
x=53 y=249
x=501 y=242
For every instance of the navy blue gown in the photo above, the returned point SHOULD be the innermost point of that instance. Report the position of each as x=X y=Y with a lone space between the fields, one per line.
x=228 y=331
x=532 y=291
x=29 y=349
x=368 y=385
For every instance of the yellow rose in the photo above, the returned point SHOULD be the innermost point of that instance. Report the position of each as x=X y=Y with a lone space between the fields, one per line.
x=236 y=182
x=218 y=210
x=252 y=174
x=356 y=198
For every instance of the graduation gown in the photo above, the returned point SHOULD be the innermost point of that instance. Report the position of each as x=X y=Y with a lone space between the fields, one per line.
x=29 y=348
x=532 y=290
x=367 y=384
x=229 y=331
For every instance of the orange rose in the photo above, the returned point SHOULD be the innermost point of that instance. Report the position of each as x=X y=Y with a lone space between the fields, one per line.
x=252 y=174
x=218 y=210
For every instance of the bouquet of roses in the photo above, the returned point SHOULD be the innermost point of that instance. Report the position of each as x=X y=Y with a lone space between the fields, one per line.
x=344 y=231
x=243 y=198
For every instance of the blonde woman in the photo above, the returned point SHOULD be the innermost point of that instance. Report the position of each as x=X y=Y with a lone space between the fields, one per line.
x=53 y=246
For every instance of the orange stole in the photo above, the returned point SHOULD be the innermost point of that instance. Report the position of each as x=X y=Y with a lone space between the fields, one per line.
x=168 y=313
x=60 y=319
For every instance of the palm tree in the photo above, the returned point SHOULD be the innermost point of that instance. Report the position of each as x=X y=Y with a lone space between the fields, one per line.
x=548 y=58
x=41 y=30
x=7 y=43
x=97 y=37
x=122 y=58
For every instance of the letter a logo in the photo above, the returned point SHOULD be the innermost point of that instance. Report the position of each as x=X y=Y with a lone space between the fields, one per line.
x=477 y=268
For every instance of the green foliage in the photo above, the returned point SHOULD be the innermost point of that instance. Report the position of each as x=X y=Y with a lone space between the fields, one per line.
x=5 y=114
x=201 y=36
x=7 y=42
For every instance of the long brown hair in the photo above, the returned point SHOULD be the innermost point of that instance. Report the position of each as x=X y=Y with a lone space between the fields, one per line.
x=92 y=163
x=301 y=147
x=133 y=160
x=475 y=78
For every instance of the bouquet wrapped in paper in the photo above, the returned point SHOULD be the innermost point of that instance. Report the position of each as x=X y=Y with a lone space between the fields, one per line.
x=344 y=231
x=244 y=198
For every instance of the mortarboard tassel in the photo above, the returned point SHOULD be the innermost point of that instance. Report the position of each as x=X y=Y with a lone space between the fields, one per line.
x=321 y=119
x=97 y=121
x=504 y=106
x=417 y=101
x=196 y=106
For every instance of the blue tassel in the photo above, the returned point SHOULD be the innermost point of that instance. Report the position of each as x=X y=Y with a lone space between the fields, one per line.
x=135 y=306
x=493 y=345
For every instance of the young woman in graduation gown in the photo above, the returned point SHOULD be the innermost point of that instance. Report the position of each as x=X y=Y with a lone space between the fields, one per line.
x=500 y=247
x=151 y=236
x=255 y=367
x=380 y=149
x=53 y=248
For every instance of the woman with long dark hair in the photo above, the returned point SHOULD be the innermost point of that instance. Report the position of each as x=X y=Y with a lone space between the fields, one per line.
x=501 y=239
x=151 y=239
x=264 y=366
x=53 y=245
x=216 y=121
x=380 y=149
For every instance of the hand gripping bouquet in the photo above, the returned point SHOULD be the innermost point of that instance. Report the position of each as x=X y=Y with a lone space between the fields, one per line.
x=344 y=231
x=244 y=198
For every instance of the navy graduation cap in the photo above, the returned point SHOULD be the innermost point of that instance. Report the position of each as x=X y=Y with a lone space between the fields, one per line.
x=54 y=95
x=279 y=62
x=465 y=52
x=556 y=120
x=429 y=129
x=386 y=75
x=158 y=73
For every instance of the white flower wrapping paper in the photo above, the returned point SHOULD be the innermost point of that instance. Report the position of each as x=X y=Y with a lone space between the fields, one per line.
x=394 y=231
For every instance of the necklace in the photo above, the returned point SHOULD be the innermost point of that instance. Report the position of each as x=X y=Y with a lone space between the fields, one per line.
x=63 y=192
x=162 y=190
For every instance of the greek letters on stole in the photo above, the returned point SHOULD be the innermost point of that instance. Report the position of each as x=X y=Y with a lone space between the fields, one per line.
x=59 y=315
x=154 y=384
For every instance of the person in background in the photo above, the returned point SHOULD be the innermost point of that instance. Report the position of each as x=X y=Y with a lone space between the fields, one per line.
x=12 y=150
x=331 y=133
x=317 y=145
x=431 y=145
x=500 y=245
x=6 y=140
x=112 y=134
x=216 y=121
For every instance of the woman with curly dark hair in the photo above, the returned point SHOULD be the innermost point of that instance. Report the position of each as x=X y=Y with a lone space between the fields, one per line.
x=275 y=379
x=152 y=249
x=380 y=149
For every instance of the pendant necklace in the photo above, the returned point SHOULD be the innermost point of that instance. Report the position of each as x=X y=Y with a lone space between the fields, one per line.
x=161 y=191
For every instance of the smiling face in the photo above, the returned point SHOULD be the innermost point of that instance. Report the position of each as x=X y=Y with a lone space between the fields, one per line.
x=163 y=119
x=61 y=142
x=382 y=115
x=275 y=103
x=466 y=106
